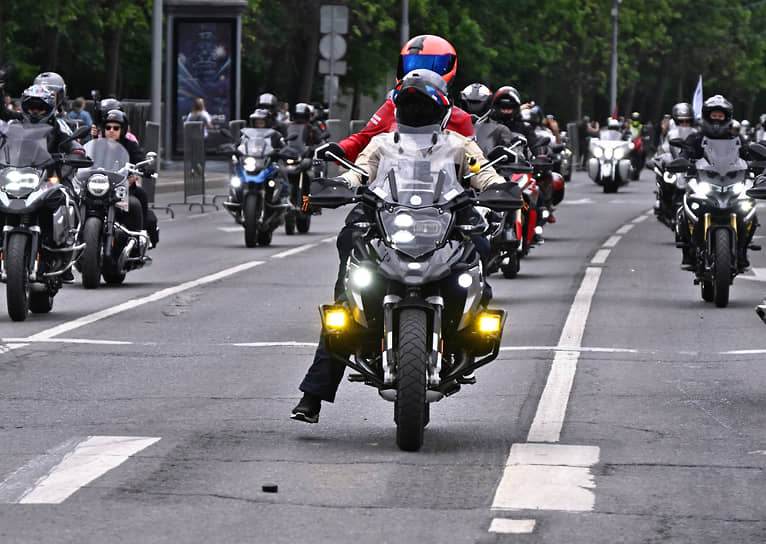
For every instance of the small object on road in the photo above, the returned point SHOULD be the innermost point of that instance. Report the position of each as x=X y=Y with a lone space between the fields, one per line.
x=270 y=488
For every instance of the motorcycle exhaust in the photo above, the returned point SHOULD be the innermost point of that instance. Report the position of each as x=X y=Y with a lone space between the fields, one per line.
x=125 y=253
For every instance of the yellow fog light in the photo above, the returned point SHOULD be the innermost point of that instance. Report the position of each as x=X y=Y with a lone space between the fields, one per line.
x=335 y=318
x=490 y=323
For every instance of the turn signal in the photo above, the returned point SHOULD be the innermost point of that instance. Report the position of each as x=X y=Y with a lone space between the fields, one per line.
x=335 y=318
x=489 y=323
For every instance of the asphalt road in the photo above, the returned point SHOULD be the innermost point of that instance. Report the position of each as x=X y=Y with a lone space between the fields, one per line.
x=622 y=408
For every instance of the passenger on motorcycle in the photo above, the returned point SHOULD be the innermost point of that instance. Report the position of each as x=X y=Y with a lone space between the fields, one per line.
x=420 y=101
x=138 y=216
x=717 y=118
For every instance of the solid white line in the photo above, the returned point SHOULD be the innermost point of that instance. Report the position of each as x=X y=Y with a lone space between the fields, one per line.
x=512 y=526
x=612 y=241
x=90 y=459
x=568 y=348
x=71 y=341
x=549 y=418
x=600 y=256
x=293 y=251
x=130 y=304
x=625 y=229
x=231 y=229
x=744 y=352
x=273 y=344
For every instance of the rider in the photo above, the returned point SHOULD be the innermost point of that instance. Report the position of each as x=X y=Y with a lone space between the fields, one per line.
x=104 y=107
x=420 y=101
x=717 y=117
x=268 y=101
x=506 y=109
x=138 y=216
x=477 y=99
x=427 y=51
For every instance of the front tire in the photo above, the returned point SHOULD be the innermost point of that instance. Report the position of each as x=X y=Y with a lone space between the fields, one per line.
x=40 y=303
x=303 y=221
x=410 y=406
x=90 y=261
x=610 y=185
x=17 y=283
x=511 y=269
x=251 y=220
x=722 y=275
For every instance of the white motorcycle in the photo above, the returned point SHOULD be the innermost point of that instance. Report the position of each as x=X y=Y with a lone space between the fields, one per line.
x=609 y=163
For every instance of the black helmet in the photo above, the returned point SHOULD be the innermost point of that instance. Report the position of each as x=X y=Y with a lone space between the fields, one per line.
x=682 y=112
x=421 y=99
x=108 y=104
x=38 y=103
x=476 y=98
x=261 y=113
x=54 y=82
x=717 y=128
x=268 y=101
x=303 y=112
x=506 y=98
x=119 y=117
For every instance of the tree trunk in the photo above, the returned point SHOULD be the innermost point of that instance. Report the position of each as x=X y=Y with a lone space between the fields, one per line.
x=111 y=38
x=655 y=108
x=578 y=97
x=310 y=52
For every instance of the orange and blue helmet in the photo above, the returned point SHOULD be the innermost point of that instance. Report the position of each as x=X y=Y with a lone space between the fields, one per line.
x=427 y=52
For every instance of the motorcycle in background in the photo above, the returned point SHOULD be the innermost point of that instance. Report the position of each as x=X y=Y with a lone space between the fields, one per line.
x=111 y=248
x=40 y=219
x=609 y=165
x=298 y=168
x=670 y=182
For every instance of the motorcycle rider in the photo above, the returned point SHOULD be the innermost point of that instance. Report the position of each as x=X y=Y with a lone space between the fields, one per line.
x=268 y=101
x=717 y=118
x=102 y=108
x=138 y=216
x=477 y=99
x=506 y=109
x=420 y=100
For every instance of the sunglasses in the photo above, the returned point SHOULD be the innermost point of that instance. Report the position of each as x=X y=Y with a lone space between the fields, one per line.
x=112 y=127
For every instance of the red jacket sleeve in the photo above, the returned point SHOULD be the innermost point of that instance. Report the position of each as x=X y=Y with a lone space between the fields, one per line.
x=460 y=122
x=380 y=122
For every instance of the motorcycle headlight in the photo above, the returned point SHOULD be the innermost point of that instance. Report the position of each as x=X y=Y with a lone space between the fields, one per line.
x=608 y=153
x=737 y=188
x=597 y=152
x=619 y=153
x=746 y=205
x=669 y=177
x=250 y=164
x=19 y=180
x=235 y=182
x=98 y=184
x=703 y=188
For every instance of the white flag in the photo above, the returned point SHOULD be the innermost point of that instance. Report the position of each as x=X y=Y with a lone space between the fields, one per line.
x=697 y=102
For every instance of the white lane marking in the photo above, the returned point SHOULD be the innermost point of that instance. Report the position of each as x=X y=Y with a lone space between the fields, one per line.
x=72 y=341
x=600 y=256
x=89 y=460
x=548 y=477
x=512 y=526
x=580 y=201
x=273 y=344
x=330 y=239
x=231 y=229
x=612 y=241
x=197 y=216
x=744 y=352
x=640 y=218
x=18 y=483
x=549 y=418
x=754 y=274
x=293 y=251
x=130 y=304
x=625 y=229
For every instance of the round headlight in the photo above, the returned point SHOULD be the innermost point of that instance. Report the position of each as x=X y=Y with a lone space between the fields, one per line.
x=362 y=277
x=404 y=220
x=98 y=184
x=668 y=177
x=619 y=153
x=597 y=152
x=235 y=182
x=608 y=153
x=250 y=164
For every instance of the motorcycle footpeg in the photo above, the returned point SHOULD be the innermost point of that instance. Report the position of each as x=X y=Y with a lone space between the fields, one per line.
x=754 y=247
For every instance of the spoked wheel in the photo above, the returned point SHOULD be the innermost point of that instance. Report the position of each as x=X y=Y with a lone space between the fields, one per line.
x=17 y=283
x=722 y=273
x=410 y=406
x=90 y=261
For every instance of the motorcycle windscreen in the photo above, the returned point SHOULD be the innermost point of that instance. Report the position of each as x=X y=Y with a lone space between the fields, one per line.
x=417 y=169
x=721 y=157
x=610 y=135
x=256 y=142
x=107 y=154
x=23 y=144
x=415 y=231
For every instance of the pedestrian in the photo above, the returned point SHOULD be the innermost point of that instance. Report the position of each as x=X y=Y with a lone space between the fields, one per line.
x=284 y=114
x=198 y=113
x=79 y=113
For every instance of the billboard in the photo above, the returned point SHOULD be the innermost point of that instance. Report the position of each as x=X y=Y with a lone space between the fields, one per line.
x=204 y=53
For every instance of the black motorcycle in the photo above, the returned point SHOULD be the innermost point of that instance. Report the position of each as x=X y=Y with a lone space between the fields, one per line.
x=111 y=248
x=297 y=167
x=717 y=215
x=413 y=319
x=256 y=185
x=40 y=219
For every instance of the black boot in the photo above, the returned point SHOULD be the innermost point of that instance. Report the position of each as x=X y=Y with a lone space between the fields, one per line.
x=307 y=409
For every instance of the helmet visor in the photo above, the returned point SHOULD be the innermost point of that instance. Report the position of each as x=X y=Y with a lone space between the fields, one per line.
x=441 y=64
x=435 y=94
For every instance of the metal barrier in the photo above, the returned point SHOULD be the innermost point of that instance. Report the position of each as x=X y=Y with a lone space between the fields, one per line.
x=575 y=145
x=152 y=143
x=356 y=125
x=234 y=127
x=194 y=166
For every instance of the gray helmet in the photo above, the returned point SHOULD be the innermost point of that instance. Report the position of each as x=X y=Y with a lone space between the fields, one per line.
x=38 y=103
x=263 y=114
x=683 y=112
x=476 y=98
x=716 y=128
x=55 y=83
x=421 y=99
x=268 y=101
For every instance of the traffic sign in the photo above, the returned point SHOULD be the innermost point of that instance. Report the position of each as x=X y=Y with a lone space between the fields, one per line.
x=330 y=89
x=338 y=67
x=332 y=46
x=333 y=19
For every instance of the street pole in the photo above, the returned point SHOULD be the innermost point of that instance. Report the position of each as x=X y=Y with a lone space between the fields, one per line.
x=613 y=82
x=156 y=60
x=405 y=21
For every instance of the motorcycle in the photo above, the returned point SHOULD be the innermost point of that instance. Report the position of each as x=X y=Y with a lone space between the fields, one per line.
x=564 y=158
x=609 y=165
x=670 y=185
x=256 y=185
x=298 y=168
x=40 y=219
x=111 y=248
x=412 y=316
x=716 y=214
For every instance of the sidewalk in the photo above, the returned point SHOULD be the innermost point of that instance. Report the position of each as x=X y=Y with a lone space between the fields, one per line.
x=171 y=178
